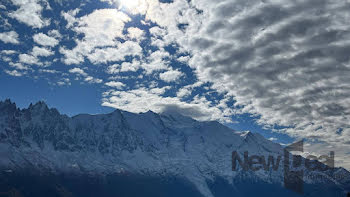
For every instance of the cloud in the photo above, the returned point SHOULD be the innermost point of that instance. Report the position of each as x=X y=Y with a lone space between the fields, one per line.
x=64 y=81
x=144 y=99
x=113 y=54
x=183 y=59
x=135 y=33
x=101 y=28
x=341 y=152
x=29 y=12
x=70 y=17
x=170 y=76
x=55 y=33
x=49 y=71
x=183 y=92
x=9 y=37
x=280 y=62
x=8 y=52
x=29 y=59
x=19 y=66
x=81 y=73
x=127 y=66
x=14 y=73
x=44 y=52
x=132 y=7
x=90 y=79
x=156 y=61
x=71 y=56
x=273 y=139
x=284 y=62
x=78 y=71
x=45 y=40
x=115 y=84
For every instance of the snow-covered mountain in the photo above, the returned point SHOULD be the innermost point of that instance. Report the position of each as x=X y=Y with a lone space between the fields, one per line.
x=124 y=144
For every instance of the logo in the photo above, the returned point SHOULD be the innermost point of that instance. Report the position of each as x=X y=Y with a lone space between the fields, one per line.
x=293 y=165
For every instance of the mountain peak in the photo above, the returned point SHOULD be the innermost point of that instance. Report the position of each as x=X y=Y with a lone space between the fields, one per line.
x=176 y=115
x=8 y=106
x=246 y=134
x=150 y=112
x=39 y=105
x=6 y=102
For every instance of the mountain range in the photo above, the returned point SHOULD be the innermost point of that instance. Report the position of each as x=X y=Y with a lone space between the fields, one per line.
x=45 y=153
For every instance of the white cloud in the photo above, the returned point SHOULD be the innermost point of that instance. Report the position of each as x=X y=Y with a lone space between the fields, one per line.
x=101 y=29
x=124 y=67
x=8 y=52
x=44 y=52
x=81 y=73
x=143 y=99
x=55 y=33
x=183 y=92
x=158 y=32
x=71 y=56
x=184 y=59
x=115 y=84
x=14 y=73
x=90 y=79
x=132 y=7
x=29 y=12
x=127 y=66
x=29 y=59
x=113 y=54
x=78 y=71
x=49 y=71
x=64 y=81
x=171 y=75
x=113 y=69
x=45 y=40
x=156 y=61
x=341 y=152
x=284 y=62
x=273 y=139
x=70 y=17
x=135 y=33
x=18 y=66
x=9 y=37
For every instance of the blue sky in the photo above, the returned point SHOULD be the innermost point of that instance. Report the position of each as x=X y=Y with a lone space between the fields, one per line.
x=80 y=98
x=277 y=68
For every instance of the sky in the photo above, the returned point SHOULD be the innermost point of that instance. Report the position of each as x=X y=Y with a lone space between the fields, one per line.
x=279 y=68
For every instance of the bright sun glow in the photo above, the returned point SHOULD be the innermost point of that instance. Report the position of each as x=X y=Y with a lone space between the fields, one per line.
x=133 y=6
x=130 y=4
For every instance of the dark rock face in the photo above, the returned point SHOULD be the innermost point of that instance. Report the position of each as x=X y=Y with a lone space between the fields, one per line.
x=251 y=188
x=39 y=123
x=30 y=185
x=131 y=185
x=10 y=124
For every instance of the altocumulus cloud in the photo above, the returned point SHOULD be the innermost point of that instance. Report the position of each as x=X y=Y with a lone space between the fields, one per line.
x=29 y=13
x=285 y=61
x=9 y=37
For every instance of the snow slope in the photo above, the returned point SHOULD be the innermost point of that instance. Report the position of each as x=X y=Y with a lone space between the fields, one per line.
x=166 y=144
